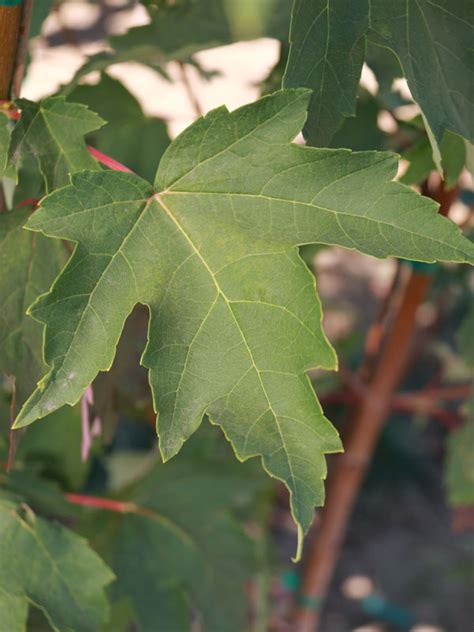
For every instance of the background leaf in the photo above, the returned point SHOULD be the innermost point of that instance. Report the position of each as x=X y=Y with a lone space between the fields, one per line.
x=193 y=553
x=326 y=54
x=54 y=448
x=49 y=566
x=29 y=264
x=177 y=30
x=431 y=40
x=420 y=157
x=129 y=136
x=53 y=130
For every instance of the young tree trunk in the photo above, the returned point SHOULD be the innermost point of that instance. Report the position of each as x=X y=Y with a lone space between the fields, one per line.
x=10 y=28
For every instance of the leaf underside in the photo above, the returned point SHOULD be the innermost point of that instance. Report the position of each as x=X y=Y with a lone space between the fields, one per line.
x=211 y=249
x=432 y=41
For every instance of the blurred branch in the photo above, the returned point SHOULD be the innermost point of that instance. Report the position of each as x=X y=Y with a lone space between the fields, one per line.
x=189 y=89
x=427 y=401
x=375 y=335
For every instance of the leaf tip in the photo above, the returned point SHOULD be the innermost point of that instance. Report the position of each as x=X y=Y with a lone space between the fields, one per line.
x=299 y=545
x=20 y=422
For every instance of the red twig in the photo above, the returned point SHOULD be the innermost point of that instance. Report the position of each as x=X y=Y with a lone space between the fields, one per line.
x=33 y=201
x=107 y=160
x=108 y=504
x=427 y=401
x=377 y=331
x=8 y=108
x=101 y=503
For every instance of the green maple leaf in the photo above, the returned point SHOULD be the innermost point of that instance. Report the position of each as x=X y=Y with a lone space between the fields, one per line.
x=194 y=554
x=53 y=130
x=452 y=151
x=212 y=250
x=326 y=53
x=52 y=448
x=431 y=40
x=48 y=566
x=129 y=136
x=29 y=264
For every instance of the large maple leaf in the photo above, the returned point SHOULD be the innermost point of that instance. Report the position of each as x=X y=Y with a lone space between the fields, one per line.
x=212 y=250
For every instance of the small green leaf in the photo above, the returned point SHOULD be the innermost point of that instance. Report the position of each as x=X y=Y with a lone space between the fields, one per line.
x=49 y=566
x=129 y=136
x=53 y=130
x=459 y=464
x=362 y=132
x=235 y=321
x=420 y=156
